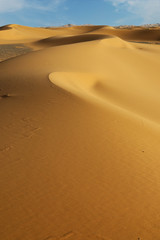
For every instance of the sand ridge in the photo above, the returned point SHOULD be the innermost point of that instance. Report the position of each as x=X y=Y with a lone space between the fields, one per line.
x=14 y=33
x=58 y=41
x=79 y=134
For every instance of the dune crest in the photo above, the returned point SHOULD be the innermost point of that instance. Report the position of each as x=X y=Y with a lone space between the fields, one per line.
x=76 y=83
x=95 y=89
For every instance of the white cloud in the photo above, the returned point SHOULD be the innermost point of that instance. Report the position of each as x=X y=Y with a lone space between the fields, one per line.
x=11 y=5
x=15 y=5
x=147 y=10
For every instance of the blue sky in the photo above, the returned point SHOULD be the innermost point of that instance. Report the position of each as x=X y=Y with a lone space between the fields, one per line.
x=61 y=12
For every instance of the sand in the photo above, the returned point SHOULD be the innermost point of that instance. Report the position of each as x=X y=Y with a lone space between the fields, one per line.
x=80 y=134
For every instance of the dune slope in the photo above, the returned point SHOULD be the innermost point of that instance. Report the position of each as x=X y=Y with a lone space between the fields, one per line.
x=79 y=139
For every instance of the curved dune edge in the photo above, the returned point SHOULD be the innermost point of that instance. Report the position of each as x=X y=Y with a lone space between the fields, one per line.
x=92 y=88
x=76 y=83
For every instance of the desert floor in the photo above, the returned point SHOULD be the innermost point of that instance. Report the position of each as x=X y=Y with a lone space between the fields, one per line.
x=79 y=133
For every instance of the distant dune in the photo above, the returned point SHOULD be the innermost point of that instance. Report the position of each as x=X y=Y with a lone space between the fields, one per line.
x=79 y=133
x=21 y=34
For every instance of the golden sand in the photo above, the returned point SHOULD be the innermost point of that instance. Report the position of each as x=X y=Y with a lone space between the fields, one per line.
x=80 y=134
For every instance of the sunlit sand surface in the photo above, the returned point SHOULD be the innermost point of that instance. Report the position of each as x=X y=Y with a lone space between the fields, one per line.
x=79 y=133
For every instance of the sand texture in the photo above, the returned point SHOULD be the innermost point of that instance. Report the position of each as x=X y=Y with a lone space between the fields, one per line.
x=79 y=133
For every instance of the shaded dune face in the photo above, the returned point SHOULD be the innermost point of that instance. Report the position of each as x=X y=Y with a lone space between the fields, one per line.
x=134 y=34
x=79 y=135
x=6 y=27
x=58 y=41
x=143 y=35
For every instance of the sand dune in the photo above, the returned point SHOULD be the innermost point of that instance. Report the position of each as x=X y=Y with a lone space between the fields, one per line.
x=21 y=34
x=58 y=41
x=80 y=134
